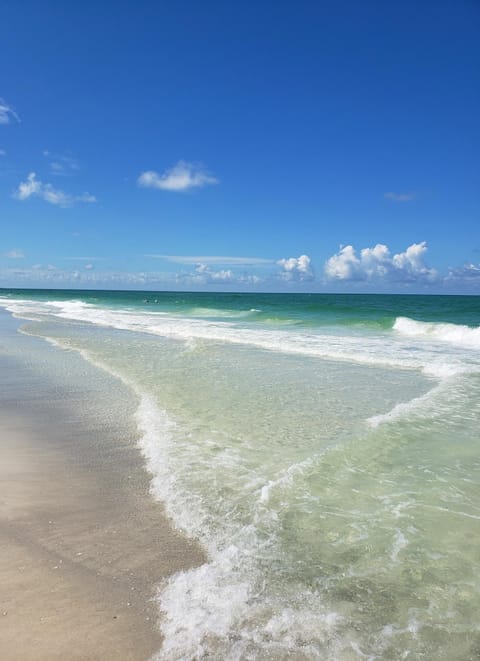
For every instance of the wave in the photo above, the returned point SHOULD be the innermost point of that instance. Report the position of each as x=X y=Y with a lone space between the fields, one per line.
x=424 y=405
x=222 y=313
x=376 y=349
x=456 y=334
x=362 y=349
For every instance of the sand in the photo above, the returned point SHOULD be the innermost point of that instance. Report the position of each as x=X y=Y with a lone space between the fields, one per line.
x=82 y=543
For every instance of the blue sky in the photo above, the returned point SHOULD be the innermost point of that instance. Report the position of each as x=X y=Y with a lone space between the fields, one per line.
x=310 y=146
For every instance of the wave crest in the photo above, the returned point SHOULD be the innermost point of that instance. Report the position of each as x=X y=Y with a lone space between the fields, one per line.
x=457 y=334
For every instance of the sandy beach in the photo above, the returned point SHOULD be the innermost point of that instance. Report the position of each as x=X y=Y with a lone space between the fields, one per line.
x=82 y=543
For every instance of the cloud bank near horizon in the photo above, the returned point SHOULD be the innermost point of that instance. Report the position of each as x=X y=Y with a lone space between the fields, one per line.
x=368 y=269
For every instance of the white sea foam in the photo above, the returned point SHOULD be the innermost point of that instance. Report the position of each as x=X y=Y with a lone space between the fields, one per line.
x=400 y=542
x=23 y=309
x=203 y=606
x=417 y=405
x=441 y=351
x=362 y=349
x=456 y=334
x=215 y=312
x=286 y=478
x=457 y=356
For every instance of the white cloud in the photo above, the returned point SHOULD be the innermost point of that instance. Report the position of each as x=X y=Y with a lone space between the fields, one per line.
x=399 y=197
x=33 y=187
x=55 y=196
x=62 y=164
x=209 y=275
x=14 y=254
x=468 y=274
x=51 y=276
x=182 y=177
x=83 y=259
x=89 y=267
x=203 y=275
x=374 y=264
x=27 y=188
x=214 y=259
x=296 y=268
x=86 y=197
x=7 y=112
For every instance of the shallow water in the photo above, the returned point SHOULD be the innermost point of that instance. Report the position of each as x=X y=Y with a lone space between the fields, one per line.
x=322 y=449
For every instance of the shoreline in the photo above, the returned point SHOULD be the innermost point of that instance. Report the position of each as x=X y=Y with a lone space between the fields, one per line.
x=83 y=545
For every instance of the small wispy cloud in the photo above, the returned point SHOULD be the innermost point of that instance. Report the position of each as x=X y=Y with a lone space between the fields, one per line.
x=399 y=197
x=220 y=260
x=468 y=273
x=223 y=275
x=86 y=197
x=3 y=152
x=83 y=259
x=61 y=164
x=14 y=254
x=7 y=113
x=33 y=187
x=180 y=178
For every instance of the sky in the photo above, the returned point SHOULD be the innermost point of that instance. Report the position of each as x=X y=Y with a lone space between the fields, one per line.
x=241 y=146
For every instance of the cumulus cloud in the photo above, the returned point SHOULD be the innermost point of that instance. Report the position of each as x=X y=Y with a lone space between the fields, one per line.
x=33 y=187
x=14 y=254
x=377 y=263
x=181 y=177
x=7 y=113
x=296 y=268
x=399 y=197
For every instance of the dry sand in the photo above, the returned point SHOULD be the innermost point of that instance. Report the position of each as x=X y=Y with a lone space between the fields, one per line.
x=82 y=543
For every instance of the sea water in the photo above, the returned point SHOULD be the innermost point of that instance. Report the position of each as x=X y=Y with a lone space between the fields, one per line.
x=324 y=451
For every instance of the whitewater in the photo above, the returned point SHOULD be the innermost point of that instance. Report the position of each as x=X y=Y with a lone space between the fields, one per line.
x=323 y=450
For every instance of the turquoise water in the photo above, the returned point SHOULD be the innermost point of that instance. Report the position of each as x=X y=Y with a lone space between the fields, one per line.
x=322 y=448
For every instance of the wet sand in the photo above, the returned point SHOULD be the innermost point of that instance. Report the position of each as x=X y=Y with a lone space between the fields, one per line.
x=82 y=543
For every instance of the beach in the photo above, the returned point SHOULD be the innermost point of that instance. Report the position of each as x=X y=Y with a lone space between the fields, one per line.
x=83 y=543
x=239 y=476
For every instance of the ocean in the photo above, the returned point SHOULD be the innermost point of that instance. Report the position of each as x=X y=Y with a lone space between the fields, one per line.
x=323 y=449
